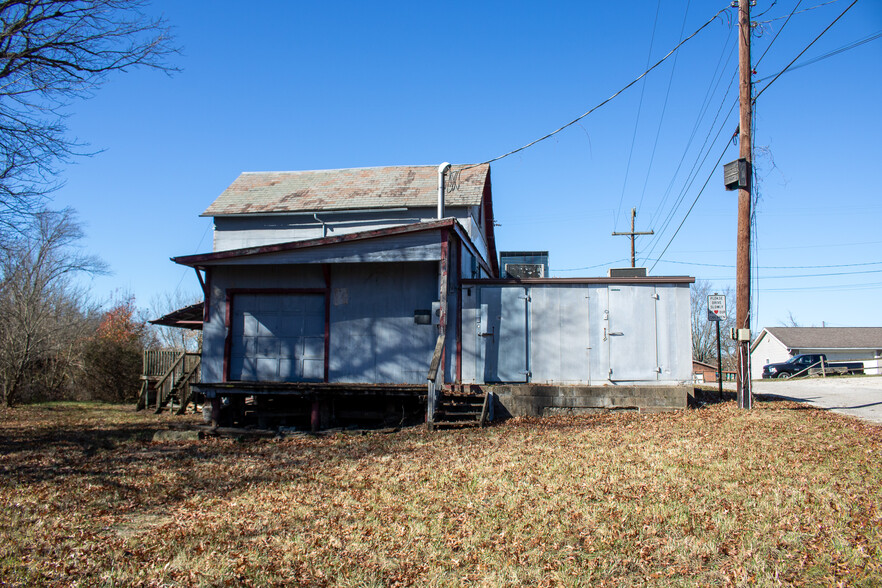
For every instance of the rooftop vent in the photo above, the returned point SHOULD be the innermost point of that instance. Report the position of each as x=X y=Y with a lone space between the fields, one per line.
x=627 y=272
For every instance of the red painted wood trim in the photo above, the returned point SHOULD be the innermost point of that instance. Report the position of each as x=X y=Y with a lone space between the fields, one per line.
x=275 y=291
x=326 y=269
x=206 y=304
x=458 y=275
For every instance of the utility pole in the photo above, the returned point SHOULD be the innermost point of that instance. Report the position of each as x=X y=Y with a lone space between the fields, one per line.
x=742 y=275
x=633 y=234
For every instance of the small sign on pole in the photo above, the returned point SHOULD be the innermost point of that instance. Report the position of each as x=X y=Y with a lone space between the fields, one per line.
x=716 y=307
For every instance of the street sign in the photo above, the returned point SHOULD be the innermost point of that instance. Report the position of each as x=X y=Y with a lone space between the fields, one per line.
x=716 y=307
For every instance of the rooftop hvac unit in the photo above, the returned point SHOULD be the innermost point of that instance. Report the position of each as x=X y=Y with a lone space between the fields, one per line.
x=525 y=270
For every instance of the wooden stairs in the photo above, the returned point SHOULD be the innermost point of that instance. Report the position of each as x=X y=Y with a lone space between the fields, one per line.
x=459 y=410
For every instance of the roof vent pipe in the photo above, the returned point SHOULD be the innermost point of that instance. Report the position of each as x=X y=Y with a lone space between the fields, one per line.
x=442 y=169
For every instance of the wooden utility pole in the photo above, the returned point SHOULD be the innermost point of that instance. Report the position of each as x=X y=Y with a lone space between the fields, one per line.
x=742 y=275
x=633 y=234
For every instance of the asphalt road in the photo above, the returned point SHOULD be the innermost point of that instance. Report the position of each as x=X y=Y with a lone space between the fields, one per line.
x=860 y=397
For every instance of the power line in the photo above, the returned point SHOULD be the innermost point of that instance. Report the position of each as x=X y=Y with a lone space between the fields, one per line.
x=780 y=73
x=800 y=12
x=634 y=81
x=706 y=103
x=772 y=42
x=693 y=174
x=665 y=107
x=700 y=192
x=576 y=269
x=639 y=110
x=779 y=266
x=832 y=288
x=829 y=54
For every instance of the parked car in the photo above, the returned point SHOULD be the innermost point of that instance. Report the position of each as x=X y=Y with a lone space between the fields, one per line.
x=802 y=363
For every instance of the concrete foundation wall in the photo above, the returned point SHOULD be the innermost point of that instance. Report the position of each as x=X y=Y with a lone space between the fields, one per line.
x=543 y=399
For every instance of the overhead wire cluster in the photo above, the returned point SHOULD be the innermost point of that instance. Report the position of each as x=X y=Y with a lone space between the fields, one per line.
x=715 y=140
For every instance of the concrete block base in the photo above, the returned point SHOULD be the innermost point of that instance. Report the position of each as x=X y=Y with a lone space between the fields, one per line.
x=546 y=399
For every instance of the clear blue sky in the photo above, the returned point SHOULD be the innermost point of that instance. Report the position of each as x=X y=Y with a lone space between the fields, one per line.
x=307 y=85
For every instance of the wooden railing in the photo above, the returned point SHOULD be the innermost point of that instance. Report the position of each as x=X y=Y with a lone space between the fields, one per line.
x=166 y=377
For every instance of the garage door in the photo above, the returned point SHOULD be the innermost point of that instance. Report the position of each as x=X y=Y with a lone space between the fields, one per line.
x=278 y=338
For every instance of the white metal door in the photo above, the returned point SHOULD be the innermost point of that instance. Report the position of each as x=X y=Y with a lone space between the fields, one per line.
x=278 y=338
x=503 y=329
x=633 y=350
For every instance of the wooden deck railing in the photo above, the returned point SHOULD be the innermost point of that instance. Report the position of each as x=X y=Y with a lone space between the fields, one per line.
x=166 y=377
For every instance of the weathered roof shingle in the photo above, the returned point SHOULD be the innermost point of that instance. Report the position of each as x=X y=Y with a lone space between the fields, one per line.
x=349 y=189
x=828 y=337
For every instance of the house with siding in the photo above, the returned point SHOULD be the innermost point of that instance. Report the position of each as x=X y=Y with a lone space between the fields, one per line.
x=778 y=344
x=335 y=294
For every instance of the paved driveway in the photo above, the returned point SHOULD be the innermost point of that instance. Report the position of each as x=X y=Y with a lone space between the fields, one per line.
x=859 y=396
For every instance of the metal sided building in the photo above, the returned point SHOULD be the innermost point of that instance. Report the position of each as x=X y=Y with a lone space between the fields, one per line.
x=325 y=286
x=337 y=295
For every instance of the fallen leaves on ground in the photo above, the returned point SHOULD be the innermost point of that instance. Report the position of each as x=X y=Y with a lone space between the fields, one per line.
x=778 y=495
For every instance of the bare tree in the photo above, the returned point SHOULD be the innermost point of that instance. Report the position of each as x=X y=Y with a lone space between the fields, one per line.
x=704 y=333
x=173 y=337
x=52 y=52
x=43 y=314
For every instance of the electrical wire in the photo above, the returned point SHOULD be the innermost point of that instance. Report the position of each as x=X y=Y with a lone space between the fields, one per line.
x=631 y=83
x=780 y=73
x=576 y=269
x=772 y=42
x=637 y=120
x=829 y=54
x=665 y=108
x=693 y=174
x=700 y=192
x=800 y=12
x=706 y=103
x=779 y=266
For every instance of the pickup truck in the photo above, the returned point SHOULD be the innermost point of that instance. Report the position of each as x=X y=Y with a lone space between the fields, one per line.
x=800 y=364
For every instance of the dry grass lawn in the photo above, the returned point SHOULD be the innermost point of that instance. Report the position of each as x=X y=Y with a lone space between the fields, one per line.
x=782 y=495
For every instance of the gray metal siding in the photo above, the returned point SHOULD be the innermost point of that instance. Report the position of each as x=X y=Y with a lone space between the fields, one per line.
x=258 y=230
x=570 y=336
x=675 y=328
x=423 y=246
x=223 y=278
x=374 y=338
x=559 y=335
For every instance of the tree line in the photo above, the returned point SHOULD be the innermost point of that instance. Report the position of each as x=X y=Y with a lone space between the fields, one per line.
x=54 y=342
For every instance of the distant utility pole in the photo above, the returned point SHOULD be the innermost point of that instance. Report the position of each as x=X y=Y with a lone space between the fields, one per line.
x=633 y=234
x=742 y=273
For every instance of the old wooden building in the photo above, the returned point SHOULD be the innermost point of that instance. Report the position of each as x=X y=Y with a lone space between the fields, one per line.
x=338 y=294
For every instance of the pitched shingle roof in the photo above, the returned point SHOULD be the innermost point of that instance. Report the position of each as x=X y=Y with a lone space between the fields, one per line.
x=349 y=189
x=828 y=337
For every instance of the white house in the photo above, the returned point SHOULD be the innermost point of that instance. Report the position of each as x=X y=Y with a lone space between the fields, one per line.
x=777 y=344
